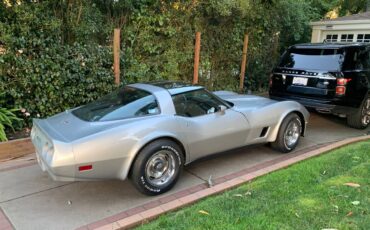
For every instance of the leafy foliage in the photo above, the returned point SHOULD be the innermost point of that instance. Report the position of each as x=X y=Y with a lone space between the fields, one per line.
x=41 y=74
x=351 y=6
x=62 y=77
x=7 y=118
x=58 y=53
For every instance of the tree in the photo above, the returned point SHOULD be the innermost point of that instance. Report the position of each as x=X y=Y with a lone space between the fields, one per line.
x=347 y=7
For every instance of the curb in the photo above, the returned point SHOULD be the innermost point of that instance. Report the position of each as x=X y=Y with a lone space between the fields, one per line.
x=149 y=211
x=15 y=148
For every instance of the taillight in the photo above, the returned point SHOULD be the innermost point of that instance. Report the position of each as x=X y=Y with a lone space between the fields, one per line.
x=340 y=90
x=343 y=81
x=270 y=80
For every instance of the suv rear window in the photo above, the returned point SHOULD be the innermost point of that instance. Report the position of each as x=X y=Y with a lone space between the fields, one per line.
x=313 y=59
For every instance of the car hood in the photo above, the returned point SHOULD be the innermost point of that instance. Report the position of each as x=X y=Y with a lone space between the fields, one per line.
x=245 y=102
x=67 y=127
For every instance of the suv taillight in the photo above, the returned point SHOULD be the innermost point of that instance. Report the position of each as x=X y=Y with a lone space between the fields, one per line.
x=340 y=90
x=270 y=80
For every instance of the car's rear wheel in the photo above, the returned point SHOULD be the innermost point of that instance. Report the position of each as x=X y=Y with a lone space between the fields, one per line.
x=157 y=167
x=361 y=118
x=289 y=134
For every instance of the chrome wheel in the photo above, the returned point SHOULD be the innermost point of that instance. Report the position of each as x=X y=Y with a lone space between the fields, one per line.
x=292 y=133
x=365 y=118
x=160 y=168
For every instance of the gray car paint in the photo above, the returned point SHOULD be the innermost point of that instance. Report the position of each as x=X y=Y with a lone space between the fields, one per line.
x=111 y=146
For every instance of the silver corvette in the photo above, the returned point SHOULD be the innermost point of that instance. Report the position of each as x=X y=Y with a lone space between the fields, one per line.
x=148 y=132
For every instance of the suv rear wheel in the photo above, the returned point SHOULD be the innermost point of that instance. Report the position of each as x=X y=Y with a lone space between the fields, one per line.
x=360 y=119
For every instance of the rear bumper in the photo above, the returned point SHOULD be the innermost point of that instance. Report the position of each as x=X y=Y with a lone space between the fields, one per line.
x=53 y=157
x=53 y=172
x=62 y=164
x=320 y=105
x=102 y=170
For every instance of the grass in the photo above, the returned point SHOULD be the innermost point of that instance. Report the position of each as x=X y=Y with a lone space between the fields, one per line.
x=307 y=195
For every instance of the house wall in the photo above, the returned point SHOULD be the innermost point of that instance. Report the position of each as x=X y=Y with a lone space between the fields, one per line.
x=316 y=35
x=321 y=29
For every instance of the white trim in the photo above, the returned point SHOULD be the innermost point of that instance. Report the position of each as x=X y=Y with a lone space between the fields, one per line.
x=319 y=76
x=346 y=22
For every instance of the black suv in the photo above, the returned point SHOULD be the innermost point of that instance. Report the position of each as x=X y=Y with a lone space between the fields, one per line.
x=329 y=77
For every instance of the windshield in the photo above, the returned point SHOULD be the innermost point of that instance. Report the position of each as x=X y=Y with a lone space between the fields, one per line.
x=124 y=103
x=313 y=59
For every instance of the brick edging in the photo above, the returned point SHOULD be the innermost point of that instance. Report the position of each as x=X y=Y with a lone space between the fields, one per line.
x=16 y=148
x=151 y=210
x=4 y=221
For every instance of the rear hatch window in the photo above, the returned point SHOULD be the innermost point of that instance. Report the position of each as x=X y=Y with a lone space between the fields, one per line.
x=308 y=72
x=127 y=102
x=313 y=59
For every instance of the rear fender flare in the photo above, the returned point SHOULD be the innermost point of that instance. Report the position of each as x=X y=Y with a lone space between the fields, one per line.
x=135 y=150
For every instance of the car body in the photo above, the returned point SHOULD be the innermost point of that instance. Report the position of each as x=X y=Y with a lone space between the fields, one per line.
x=328 y=77
x=101 y=140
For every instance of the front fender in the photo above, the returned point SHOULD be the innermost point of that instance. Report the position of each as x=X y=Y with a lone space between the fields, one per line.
x=287 y=108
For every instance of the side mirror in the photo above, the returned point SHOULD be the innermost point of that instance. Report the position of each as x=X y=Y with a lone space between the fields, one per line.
x=221 y=109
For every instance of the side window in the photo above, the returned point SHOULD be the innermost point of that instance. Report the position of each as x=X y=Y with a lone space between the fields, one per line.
x=196 y=103
x=367 y=38
x=366 y=59
x=363 y=38
x=144 y=106
x=362 y=62
x=331 y=38
x=346 y=38
x=360 y=37
x=149 y=107
x=124 y=103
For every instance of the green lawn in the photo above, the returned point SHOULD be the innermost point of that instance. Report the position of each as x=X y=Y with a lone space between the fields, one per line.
x=307 y=195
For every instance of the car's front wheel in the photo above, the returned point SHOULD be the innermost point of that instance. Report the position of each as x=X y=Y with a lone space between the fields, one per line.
x=361 y=118
x=157 y=167
x=289 y=134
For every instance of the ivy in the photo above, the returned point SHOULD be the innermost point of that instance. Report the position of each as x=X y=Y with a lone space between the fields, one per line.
x=56 y=55
x=61 y=77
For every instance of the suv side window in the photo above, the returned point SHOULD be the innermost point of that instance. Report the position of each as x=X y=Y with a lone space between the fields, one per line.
x=196 y=103
x=361 y=59
x=357 y=59
x=367 y=59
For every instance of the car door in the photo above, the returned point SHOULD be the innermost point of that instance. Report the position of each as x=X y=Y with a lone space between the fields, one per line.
x=209 y=124
x=357 y=70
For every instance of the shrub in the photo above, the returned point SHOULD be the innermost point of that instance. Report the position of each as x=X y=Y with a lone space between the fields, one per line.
x=56 y=55
x=7 y=118
x=59 y=78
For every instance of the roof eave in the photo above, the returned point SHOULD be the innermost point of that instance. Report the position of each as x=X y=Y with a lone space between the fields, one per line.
x=339 y=22
x=329 y=45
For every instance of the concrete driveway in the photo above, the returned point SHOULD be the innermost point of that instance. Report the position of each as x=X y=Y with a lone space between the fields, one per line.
x=31 y=200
